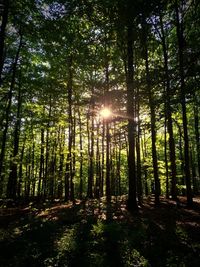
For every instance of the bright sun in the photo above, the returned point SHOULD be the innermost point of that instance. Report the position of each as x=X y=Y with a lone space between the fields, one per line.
x=105 y=113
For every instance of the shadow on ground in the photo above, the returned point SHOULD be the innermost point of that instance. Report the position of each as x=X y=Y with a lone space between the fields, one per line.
x=96 y=233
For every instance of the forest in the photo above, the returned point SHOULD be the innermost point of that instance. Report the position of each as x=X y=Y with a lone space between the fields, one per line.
x=99 y=133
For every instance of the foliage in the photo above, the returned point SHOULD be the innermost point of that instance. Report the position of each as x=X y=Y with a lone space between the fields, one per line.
x=73 y=60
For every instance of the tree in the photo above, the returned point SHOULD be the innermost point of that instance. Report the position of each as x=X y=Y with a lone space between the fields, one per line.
x=180 y=38
x=5 y=7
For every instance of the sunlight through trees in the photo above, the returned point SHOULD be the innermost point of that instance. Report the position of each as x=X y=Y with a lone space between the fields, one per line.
x=61 y=62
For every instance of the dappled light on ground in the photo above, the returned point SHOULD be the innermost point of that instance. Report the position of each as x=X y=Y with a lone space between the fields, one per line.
x=97 y=233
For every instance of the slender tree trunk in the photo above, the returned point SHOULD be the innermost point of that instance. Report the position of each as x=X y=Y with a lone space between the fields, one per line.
x=144 y=156
x=153 y=124
x=41 y=169
x=107 y=123
x=81 y=156
x=28 y=174
x=192 y=164
x=33 y=171
x=154 y=154
x=102 y=161
x=73 y=165
x=12 y=180
x=166 y=163
x=68 y=173
x=108 y=192
x=181 y=157
x=3 y=34
x=139 y=174
x=118 y=148
x=119 y=168
x=179 y=29
x=169 y=115
x=112 y=171
x=19 y=187
x=46 y=174
x=132 y=200
x=61 y=162
x=98 y=166
x=52 y=166
x=7 y=113
x=197 y=137
x=91 y=156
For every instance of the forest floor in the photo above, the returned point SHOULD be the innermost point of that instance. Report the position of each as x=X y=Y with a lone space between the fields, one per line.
x=93 y=233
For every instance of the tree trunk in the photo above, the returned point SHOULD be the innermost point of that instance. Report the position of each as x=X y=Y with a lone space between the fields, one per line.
x=7 y=114
x=169 y=115
x=81 y=156
x=41 y=169
x=19 y=186
x=153 y=123
x=144 y=156
x=166 y=162
x=197 y=137
x=118 y=157
x=73 y=165
x=52 y=168
x=181 y=157
x=102 y=160
x=132 y=200
x=28 y=174
x=108 y=193
x=61 y=162
x=3 y=34
x=91 y=156
x=46 y=174
x=139 y=174
x=180 y=38
x=98 y=166
x=68 y=174
x=12 y=180
x=32 y=175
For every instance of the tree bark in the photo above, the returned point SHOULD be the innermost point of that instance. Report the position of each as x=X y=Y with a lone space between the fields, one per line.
x=153 y=121
x=3 y=34
x=68 y=173
x=166 y=162
x=132 y=198
x=12 y=180
x=19 y=186
x=46 y=173
x=81 y=156
x=91 y=156
x=41 y=168
x=7 y=113
x=169 y=114
x=98 y=166
x=180 y=38
x=139 y=174
x=61 y=162
x=108 y=192
x=197 y=137
x=102 y=160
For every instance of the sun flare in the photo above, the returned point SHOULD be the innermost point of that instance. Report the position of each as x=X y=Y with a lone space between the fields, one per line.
x=105 y=113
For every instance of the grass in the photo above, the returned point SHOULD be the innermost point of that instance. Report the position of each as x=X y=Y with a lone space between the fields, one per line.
x=94 y=233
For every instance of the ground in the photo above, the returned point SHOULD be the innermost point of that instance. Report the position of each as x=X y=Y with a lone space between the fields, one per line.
x=93 y=233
